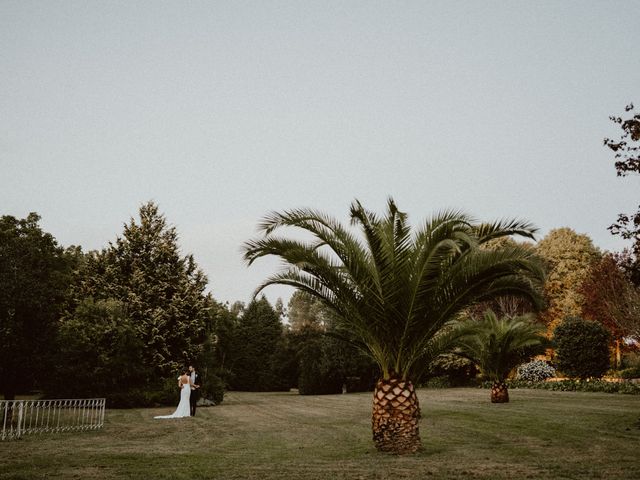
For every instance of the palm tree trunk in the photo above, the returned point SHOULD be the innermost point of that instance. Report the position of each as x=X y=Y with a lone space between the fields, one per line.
x=499 y=392
x=396 y=412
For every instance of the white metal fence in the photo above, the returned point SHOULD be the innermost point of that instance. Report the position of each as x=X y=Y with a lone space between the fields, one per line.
x=23 y=417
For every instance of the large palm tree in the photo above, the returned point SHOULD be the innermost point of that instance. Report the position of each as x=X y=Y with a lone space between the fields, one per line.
x=394 y=290
x=497 y=345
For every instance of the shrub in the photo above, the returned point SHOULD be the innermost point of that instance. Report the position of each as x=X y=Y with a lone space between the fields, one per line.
x=438 y=382
x=633 y=372
x=599 y=386
x=535 y=371
x=582 y=348
x=631 y=359
x=213 y=389
x=457 y=370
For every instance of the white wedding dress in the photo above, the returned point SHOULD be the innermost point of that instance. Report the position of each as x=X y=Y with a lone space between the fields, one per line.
x=184 y=409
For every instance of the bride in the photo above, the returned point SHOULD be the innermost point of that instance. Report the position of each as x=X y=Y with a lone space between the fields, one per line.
x=183 y=410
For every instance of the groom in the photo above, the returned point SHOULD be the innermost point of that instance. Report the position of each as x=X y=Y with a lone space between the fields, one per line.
x=193 y=399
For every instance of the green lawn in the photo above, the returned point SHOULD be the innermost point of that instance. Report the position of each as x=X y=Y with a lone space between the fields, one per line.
x=540 y=434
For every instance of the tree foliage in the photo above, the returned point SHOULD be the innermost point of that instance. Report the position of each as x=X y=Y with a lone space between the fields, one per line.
x=306 y=311
x=627 y=156
x=255 y=363
x=569 y=256
x=161 y=290
x=34 y=276
x=582 y=348
x=498 y=345
x=99 y=354
x=611 y=299
x=395 y=291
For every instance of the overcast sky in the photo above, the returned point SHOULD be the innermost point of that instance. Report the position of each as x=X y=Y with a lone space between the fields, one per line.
x=223 y=111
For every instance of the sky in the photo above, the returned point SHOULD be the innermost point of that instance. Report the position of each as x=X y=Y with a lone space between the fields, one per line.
x=221 y=112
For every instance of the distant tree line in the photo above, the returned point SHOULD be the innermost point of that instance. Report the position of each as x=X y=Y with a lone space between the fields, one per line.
x=121 y=322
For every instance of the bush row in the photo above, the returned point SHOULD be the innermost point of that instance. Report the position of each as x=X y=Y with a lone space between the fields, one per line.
x=601 y=386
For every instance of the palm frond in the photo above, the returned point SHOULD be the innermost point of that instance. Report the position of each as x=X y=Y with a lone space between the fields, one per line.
x=496 y=345
x=395 y=290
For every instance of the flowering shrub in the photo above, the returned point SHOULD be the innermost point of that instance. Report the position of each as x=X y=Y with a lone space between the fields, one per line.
x=535 y=371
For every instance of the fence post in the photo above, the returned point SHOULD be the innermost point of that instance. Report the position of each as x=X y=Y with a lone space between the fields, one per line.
x=20 y=412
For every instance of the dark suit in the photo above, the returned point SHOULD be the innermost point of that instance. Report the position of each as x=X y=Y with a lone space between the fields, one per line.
x=195 y=393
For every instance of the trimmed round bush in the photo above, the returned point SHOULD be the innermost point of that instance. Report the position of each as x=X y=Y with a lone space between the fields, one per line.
x=582 y=348
x=535 y=371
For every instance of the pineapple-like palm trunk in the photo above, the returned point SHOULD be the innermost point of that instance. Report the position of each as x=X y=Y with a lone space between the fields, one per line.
x=396 y=413
x=499 y=392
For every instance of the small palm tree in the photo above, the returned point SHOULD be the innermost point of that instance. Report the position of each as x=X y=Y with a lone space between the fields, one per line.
x=497 y=346
x=394 y=291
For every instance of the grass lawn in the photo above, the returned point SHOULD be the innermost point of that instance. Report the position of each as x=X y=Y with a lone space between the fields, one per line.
x=540 y=434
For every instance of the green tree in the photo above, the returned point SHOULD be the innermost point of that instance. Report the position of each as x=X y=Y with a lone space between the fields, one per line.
x=161 y=290
x=210 y=362
x=34 y=277
x=98 y=342
x=326 y=363
x=305 y=311
x=582 y=348
x=394 y=291
x=497 y=346
x=225 y=343
x=258 y=343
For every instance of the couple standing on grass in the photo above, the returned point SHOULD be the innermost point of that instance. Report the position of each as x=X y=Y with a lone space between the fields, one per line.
x=188 y=383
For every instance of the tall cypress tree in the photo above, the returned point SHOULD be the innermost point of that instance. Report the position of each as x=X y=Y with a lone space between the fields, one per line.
x=260 y=342
x=161 y=290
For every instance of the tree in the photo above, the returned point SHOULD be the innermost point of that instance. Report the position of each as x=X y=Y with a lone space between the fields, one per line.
x=161 y=290
x=394 y=291
x=569 y=256
x=305 y=311
x=34 y=276
x=627 y=155
x=582 y=348
x=320 y=365
x=226 y=344
x=497 y=346
x=612 y=300
x=326 y=361
x=99 y=342
x=504 y=305
x=259 y=340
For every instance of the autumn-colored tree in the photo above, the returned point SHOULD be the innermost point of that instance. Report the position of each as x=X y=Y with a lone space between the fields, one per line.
x=605 y=293
x=569 y=256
